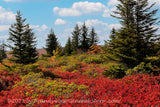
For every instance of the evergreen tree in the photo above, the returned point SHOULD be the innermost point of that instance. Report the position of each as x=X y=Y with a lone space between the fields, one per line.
x=144 y=25
x=131 y=47
x=75 y=37
x=93 y=37
x=51 y=43
x=84 y=38
x=3 y=54
x=30 y=54
x=113 y=34
x=68 y=47
x=22 y=37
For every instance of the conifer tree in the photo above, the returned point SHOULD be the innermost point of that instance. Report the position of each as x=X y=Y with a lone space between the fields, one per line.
x=84 y=38
x=144 y=25
x=22 y=39
x=134 y=41
x=51 y=43
x=93 y=37
x=68 y=47
x=113 y=34
x=30 y=54
x=75 y=37
x=3 y=54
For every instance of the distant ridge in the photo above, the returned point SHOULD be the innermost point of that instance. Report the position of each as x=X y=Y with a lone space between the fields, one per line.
x=40 y=52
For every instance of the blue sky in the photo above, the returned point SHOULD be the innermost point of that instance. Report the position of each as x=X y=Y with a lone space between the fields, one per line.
x=61 y=16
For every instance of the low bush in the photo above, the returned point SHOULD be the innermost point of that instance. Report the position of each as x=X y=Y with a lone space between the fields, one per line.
x=115 y=71
x=94 y=59
x=144 y=68
x=41 y=86
x=72 y=66
x=25 y=69
x=49 y=74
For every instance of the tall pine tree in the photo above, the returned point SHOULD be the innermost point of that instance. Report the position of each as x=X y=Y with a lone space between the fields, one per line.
x=3 y=54
x=134 y=40
x=75 y=38
x=93 y=37
x=51 y=43
x=31 y=54
x=20 y=37
x=84 y=39
x=68 y=47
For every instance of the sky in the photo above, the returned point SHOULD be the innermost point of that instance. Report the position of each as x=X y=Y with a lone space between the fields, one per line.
x=61 y=16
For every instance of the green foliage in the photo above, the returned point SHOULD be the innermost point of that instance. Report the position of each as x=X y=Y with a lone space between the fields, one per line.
x=75 y=38
x=72 y=66
x=24 y=43
x=58 y=52
x=150 y=66
x=81 y=57
x=2 y=52
x=136 y=39
x=68 y=47
x=144 y=69
x=93 y=37
x=24 y=69
x=115 y=71
x=49 y=74
x=41 y=86
x=94 y=59
x=84 y=40
x=51 y=43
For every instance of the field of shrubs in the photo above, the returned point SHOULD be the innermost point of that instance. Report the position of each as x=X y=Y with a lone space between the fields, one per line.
x=79 y=80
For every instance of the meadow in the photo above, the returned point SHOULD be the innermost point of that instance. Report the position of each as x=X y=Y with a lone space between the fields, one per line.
x=77 y=81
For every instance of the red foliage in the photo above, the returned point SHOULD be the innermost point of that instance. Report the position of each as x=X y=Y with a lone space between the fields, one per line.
x=7 y=80
x=137 y=91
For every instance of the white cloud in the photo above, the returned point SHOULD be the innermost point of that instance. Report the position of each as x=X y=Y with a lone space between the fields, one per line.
x=4 y=37
x=4 y=28
x=155 y=1
x=39 y=28
x=80 y=8
x=108 y=12
x=112 y=2
x=60 y=22
x=6 y=17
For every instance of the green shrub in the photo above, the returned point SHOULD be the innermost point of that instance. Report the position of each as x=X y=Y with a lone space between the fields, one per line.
x=94 y=59
x=115 y=71
x=72 y=66
x=41 y=86
x=82 y=57
x=49 y=74
x=25 y=69
x=154 y=60
x=144 y=68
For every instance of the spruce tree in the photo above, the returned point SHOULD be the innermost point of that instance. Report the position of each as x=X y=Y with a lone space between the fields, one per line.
x=75 y=37
x=68 y=47
x=51 y=43
x=144 y=25
x=93 y=37
x=22 y=40
x=31 y=54
x=3 y=54
x=84 y=38
x=113 y=34
x=131 y=47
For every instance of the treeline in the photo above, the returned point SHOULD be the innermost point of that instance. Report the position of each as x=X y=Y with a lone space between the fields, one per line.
x=81 y=40
x=23 y=42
